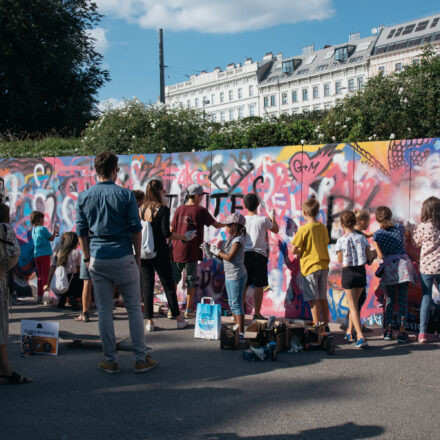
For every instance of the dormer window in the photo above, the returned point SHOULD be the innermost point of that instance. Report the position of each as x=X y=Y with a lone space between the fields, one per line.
x=344 y=52
x=290 y=66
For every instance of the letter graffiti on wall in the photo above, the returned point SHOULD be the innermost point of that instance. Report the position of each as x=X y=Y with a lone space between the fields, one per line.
x=399 y=174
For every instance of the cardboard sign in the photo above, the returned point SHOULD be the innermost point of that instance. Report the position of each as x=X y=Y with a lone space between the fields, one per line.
x=44 y=335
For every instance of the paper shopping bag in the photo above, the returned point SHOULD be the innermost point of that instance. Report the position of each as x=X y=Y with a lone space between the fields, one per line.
x=208 y=319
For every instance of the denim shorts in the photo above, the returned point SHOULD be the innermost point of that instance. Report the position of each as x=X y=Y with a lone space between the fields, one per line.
x=84 y=273
x=234 y=289
x=191 y=273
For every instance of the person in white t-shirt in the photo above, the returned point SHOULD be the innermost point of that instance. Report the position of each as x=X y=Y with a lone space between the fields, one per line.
x=257 y=250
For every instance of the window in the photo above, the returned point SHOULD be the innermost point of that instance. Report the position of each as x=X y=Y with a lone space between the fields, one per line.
x=196 y=102
x=351 y=85
x=422 y=26
x=341 y=53
x=212 y=99
x=360 y=82
x=231 y=114
x=222 y=116
x=321 y=67
x=315 y=92
x=288 y=66
x=294 y=96
x=338 y=87
x=400 y=45
x=214 y=117
x=240 y=93
x=272 y=101
x=416 y=61
x=266 y=101
x=327 y=107
x=205 y=101
x=294 y=111
x=408 y=29
x=316 y=107
x=240 y=112
x=382 y=69
x=391 y=33
x=303 y=71
x=231 y=95
x=284 y=98
x=434 y=23
x=251 y=90
x=398 y=67
x=222 y=96
x=398 y=32
x=326 y=89
x=252 y=110
x=188 y=103
x=305 y=94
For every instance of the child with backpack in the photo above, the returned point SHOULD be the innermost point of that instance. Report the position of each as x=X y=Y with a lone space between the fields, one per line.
x=427 y=237
x=65 y=266
x=42 y=249
x=395 y=272
x=353 y=252
x=232 y=255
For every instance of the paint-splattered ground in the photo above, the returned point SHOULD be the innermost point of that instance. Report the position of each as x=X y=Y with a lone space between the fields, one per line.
x=198 y=392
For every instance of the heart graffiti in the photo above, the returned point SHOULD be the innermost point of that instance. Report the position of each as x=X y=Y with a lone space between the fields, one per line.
x=306 y=169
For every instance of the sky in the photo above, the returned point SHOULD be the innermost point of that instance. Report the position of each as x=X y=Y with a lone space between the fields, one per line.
x=203 y=34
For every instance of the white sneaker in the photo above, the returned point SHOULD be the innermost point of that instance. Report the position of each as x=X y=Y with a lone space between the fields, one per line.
x=149 y=327
x=182 y=324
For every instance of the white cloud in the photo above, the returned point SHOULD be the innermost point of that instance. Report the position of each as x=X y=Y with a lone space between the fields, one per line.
x=110 y=103
x=100 y=36
x=216 y=16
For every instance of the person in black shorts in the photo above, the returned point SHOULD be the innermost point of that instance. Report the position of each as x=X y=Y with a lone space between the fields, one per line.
x=257 y=250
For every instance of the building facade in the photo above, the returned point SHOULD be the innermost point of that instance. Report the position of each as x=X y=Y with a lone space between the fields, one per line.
x=401 y=45
x=314 y=80
x=223 y=95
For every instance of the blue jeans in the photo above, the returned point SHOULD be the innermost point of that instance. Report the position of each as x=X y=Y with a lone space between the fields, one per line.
x=234 y=289
x=427 y=283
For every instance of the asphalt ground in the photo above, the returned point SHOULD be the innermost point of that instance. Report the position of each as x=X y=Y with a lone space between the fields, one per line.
x=388 y=391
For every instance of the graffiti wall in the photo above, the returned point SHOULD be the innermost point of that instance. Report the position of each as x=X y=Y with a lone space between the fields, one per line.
x=399 y=174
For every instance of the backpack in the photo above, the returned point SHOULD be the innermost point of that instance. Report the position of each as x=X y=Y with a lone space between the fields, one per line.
x=147 y=244
x=60 y=281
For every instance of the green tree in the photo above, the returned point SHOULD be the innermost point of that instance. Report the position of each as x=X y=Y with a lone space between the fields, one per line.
x=49 y=69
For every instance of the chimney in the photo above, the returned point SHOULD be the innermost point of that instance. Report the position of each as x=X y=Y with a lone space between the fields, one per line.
x=279 y=56
x=354 y=36
x=308 y=49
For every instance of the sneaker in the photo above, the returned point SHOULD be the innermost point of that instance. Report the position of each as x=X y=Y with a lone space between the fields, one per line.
x=169 y=314
x=388 y=336
x=188 y=314
x=349 y=338
x=423 y=338
x=182 y=324
x=108 y=367
x=39 y=300
x=361 y=343
x=402 y=337
x=142 y=367
x=149 y=327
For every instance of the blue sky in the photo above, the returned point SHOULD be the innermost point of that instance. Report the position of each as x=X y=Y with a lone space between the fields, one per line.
x=203 y=34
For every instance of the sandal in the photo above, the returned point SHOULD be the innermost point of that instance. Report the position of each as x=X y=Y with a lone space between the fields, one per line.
x=82 y=317
x=15 y=379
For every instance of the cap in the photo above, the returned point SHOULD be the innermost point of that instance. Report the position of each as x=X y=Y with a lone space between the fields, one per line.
x=235 y=218
x=195 y=190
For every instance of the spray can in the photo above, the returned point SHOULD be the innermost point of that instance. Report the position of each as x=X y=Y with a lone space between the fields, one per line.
x=27 y=346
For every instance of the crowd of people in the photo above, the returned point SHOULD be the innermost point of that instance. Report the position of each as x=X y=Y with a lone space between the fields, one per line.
x=125 y=238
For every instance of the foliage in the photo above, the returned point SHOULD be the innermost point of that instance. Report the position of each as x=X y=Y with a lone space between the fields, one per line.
x=49 y=70
x=404 y=105
x=46 y=147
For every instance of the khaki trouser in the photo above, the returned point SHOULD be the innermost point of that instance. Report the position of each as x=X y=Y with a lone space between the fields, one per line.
x=124 y=273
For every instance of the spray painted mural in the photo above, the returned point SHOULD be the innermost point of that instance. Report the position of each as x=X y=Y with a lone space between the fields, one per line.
x=399 y=174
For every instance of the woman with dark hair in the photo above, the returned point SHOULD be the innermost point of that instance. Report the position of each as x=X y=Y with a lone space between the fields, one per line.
x=395 y=272
x=427 y=237
x=157 y=213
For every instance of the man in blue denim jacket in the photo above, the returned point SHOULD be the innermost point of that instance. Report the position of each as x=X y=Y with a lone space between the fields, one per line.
x=109 y=227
